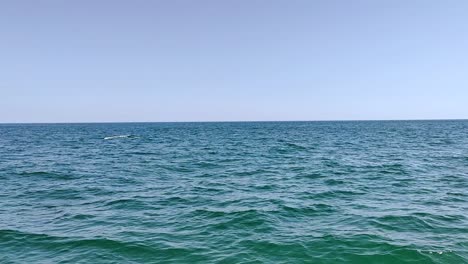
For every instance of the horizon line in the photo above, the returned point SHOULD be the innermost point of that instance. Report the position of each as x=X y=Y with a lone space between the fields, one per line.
x=234 y=121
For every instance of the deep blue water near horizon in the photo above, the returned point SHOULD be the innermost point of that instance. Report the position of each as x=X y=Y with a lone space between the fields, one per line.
x=241 y=192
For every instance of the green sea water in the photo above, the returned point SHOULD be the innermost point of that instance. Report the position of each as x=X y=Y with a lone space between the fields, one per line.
x=258 y=192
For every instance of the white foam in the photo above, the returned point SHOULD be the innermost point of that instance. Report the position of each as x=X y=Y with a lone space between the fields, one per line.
x=119 y=136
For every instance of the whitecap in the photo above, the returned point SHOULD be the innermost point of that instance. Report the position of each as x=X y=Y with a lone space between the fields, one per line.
x=119 y=136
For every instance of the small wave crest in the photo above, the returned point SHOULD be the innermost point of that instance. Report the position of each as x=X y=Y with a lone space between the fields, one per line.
x=118 y=136
x=45 y=174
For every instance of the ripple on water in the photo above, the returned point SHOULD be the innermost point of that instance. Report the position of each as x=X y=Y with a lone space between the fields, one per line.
x=270 y=192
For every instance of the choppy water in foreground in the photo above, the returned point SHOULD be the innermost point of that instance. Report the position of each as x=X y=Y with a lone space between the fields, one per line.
x=269 y=192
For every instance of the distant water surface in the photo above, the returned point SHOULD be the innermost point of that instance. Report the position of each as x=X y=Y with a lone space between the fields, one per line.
x=259 y=192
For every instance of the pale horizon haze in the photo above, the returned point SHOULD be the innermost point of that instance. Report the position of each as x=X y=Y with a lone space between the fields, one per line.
x=143 y=61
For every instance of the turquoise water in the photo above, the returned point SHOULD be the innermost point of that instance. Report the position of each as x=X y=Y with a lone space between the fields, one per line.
x=260 y=192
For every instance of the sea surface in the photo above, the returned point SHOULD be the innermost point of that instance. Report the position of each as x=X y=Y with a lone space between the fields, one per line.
x=253 y=192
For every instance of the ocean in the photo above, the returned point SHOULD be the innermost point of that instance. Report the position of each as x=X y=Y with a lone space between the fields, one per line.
x=235 y=192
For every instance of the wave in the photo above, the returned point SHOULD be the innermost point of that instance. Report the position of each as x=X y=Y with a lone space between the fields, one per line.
x=250 y=247
x=341 y=249
x=45 y=174
x=79 y=248
x=118 y=136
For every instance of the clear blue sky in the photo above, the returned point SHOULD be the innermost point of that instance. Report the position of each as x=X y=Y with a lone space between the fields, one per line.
x=88 y=60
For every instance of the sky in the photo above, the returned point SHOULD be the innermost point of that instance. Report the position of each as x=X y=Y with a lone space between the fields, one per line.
x=232 y=60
